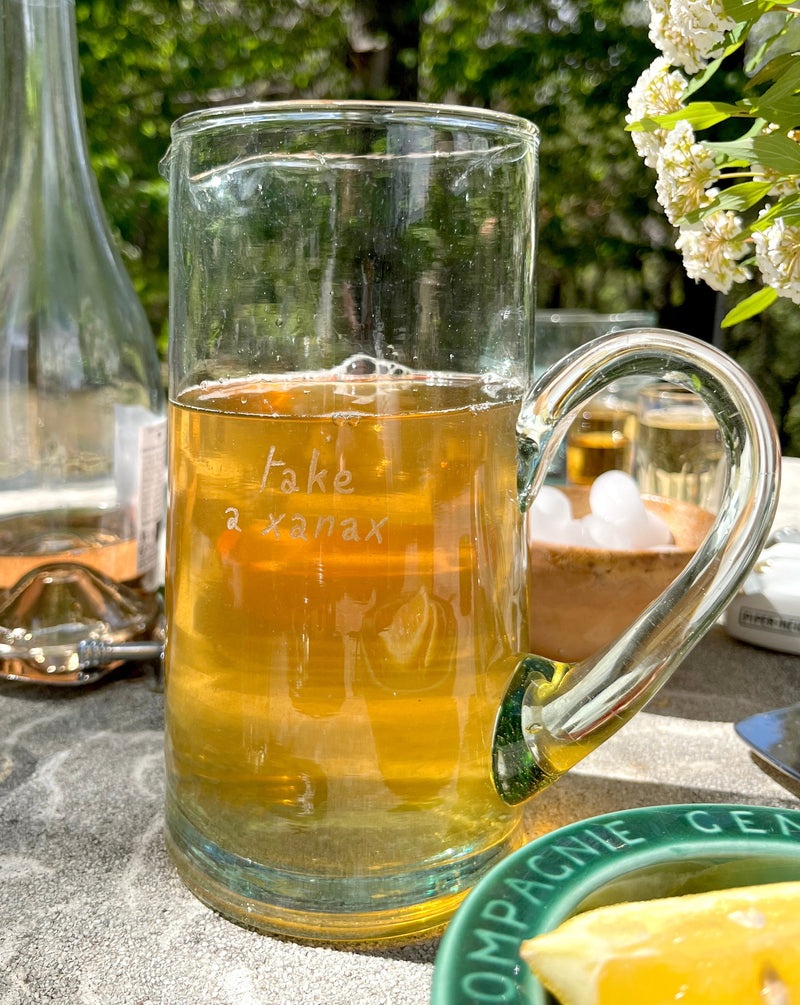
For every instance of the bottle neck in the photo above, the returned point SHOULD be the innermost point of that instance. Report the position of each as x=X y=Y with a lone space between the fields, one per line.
x=41 y=114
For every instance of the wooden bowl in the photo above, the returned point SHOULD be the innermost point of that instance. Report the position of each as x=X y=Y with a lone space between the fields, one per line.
x=580 y=599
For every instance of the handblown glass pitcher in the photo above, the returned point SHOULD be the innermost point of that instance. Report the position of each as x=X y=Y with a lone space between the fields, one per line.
x=352 y=720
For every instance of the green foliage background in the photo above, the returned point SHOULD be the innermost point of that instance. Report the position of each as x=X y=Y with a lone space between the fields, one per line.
x=566 y=64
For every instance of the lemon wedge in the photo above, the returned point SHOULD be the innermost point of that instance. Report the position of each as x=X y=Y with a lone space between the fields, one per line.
x=723 y=947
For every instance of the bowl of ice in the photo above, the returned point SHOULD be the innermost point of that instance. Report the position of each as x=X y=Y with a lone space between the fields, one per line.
x=598 y=556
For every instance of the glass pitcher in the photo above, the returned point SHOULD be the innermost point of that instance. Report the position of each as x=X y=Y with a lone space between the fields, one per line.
x=352 y=717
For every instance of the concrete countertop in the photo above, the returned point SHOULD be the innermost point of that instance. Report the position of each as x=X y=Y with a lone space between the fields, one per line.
x=92 y=912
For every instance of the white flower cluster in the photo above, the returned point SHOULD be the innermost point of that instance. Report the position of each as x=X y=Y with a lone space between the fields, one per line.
x=686 y=173
x=714 y=242
x=658 y=91
x=689 y=32
x=712 y=250
x=778 y=258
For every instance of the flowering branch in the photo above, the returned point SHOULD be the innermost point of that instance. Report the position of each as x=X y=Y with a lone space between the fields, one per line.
x=735 y=202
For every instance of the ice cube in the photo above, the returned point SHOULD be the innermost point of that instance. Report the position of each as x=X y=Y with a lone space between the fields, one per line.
x=550 y=517
x=639 y=535
x=618 y=520
x=614 y=497
x=552 y=504
x=603 y=534
x=659 y=534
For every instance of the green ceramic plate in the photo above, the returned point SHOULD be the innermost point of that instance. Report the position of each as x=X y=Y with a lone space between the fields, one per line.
x=639 y=854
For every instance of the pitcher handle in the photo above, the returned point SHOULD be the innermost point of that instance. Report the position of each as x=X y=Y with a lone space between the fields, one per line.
x=553 y=714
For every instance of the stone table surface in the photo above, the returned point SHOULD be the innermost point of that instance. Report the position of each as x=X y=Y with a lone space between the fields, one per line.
x=92 y=912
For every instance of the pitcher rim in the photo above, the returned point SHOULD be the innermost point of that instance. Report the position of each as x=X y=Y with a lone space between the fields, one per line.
x=308 y=111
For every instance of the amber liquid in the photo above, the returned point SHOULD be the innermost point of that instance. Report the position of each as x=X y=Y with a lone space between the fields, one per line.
x=598 y=441
x=680 y=455
x=345 y=596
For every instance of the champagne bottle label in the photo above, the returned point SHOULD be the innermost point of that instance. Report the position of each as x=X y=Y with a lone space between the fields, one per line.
x=152 y=497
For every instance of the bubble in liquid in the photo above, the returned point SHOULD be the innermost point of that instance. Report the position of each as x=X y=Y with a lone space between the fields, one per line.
x=363 y=365
x=345 y=419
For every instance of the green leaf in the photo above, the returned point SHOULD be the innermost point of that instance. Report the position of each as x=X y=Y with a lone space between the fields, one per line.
x=772 y=150
x=748 y=10
x=697 y=80
x=700 y=114
x=739 y=198
x=773 y=69
x=780 y=103
x=737 y=36
x=791 y=216
x=787 y=83
x=787 y=208
x=642 y=126
x=785 y=112
x=735 y=199
x=750 y=306
x=737 y=153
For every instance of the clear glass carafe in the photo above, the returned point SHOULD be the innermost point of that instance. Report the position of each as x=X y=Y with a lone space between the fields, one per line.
x=82 y=455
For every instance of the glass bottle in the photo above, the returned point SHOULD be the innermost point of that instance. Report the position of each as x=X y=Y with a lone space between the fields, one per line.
x=82 y=455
